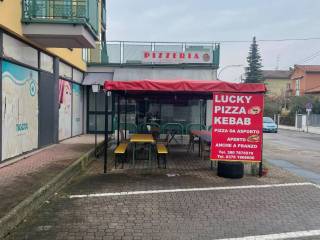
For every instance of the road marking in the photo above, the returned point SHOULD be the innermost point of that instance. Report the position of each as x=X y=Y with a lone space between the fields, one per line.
x=316 y=185
x=288 y=235
x=190 y=190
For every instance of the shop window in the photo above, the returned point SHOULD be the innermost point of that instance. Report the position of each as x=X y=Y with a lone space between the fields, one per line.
x=183 y=111
x=46 y=62
x=19 y=51
x=77 y=76
x=77 y=109
x=19 y=110
x=100 y=122
x=65 y=109
x=100 y=101
x=65 y=71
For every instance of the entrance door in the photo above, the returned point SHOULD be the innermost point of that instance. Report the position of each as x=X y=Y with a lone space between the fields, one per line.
x=47 y=108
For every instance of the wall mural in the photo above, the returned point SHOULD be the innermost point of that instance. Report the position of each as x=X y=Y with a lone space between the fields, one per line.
x=77 y=110
x=65 y=95
x=19 y=110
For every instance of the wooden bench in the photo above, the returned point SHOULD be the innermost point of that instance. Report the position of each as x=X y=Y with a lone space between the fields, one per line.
x=162 y=152
x=120 y=152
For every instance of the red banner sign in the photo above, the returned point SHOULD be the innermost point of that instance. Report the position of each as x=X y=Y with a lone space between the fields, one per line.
x=237 y=121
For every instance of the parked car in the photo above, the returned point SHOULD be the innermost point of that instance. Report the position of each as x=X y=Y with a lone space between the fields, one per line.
x=269 y=125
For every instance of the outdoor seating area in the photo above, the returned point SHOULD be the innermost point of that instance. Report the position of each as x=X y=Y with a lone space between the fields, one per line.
x=147 y=149
x=164 y=159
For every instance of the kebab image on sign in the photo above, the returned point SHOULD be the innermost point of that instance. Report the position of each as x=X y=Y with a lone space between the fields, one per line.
x=254 y=110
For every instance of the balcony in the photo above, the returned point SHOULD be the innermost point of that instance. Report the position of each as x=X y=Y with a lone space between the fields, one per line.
x=152 y=54
x=61 y=23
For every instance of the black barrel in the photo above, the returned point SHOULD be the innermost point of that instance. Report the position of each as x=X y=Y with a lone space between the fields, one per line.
x=230 y=169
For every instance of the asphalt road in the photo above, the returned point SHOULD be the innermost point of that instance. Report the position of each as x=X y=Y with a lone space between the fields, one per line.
x=299 y=148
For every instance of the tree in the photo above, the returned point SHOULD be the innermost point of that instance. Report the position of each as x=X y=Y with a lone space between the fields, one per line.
x=272 y=106
x=253 y=71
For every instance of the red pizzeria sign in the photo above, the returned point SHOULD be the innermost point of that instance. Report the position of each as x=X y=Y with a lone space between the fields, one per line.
x=237 y=121
x=166 y=57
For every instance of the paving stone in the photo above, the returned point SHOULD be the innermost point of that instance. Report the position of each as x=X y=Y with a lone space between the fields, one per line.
x=177 y=215
x=22 y=178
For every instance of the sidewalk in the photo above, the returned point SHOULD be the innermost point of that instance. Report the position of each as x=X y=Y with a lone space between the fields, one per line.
x=314 y=130
x=23 y=177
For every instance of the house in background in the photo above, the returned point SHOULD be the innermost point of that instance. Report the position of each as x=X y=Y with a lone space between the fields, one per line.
x=305 y=79
x=277 y=81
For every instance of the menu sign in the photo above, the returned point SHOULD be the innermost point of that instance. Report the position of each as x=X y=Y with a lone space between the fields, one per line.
x=237 y=121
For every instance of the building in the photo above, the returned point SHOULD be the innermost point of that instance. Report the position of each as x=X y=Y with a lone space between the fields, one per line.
x=277 y=81
x=51 y=52
x=41 y=70
x=305 y=79
x=128 y=61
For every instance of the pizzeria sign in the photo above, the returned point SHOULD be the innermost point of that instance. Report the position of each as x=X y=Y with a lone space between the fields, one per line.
x=172 y=57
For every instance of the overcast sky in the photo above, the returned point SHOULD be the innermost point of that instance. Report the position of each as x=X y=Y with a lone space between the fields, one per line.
x=210 y=20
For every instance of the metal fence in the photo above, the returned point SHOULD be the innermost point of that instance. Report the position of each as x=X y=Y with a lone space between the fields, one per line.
x=62 y=11
x=314 y=120
x=130 y=53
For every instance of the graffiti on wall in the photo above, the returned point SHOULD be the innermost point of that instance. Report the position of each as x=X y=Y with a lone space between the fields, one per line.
x=77 y=110
x=19 y=110
x=65 y=109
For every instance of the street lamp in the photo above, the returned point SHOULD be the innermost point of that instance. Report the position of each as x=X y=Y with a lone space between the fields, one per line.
x=95 y=90
x=228 y=66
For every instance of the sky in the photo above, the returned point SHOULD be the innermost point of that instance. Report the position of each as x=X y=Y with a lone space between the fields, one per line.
x=221 y=21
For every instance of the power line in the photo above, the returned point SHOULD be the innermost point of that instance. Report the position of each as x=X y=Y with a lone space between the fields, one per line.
x=312 y=55
x=222 y=41
x=309 y=58
x=270 y=40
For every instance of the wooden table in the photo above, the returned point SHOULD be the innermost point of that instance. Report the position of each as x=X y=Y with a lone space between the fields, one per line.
x=203 y=135
x=141 y=138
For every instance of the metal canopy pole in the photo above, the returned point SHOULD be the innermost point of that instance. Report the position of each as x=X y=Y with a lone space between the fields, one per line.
x=95 y=124
x=118 y=110
x=200 y=103
x=261 y=163
x=200 y=153
x=106 y=117
x=125 y=117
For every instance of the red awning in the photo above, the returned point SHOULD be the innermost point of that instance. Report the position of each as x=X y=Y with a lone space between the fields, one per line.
x=188 y=86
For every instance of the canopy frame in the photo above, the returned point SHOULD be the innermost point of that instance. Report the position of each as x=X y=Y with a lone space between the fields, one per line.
x=195 y=88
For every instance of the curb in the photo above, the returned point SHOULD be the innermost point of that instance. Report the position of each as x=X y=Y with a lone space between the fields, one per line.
x=311 y=131
x=37 y=199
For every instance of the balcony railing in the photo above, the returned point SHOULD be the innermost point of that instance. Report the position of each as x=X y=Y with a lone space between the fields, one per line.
x=98 y=54
x=104 y=17
x=133 y=53
x=62 y=11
